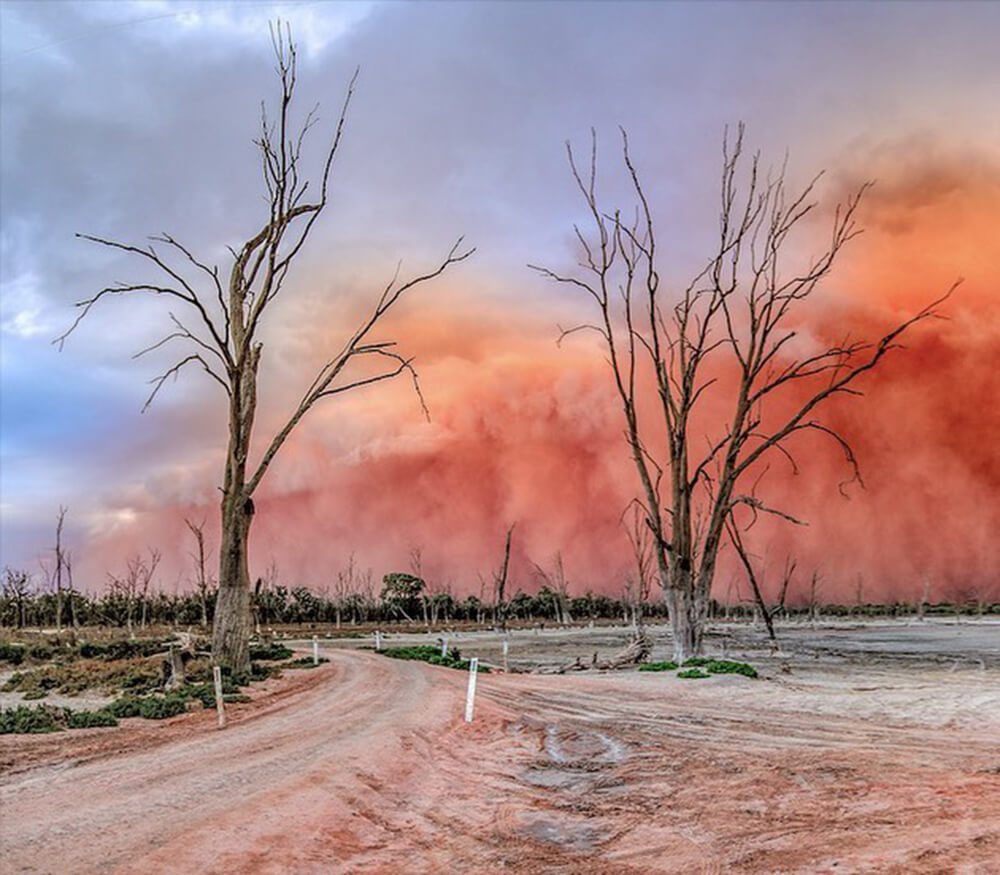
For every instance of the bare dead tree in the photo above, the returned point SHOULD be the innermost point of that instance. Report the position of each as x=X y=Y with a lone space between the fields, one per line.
x=55 y=575
x=201 y=581
x=17 y=588
x=500 y=584
x=814 y=583
x=639 y=582
x=730 y=333
x=218 y=322
x=556 y=581
x=133 y=587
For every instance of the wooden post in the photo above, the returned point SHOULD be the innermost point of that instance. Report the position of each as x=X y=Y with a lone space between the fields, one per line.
x=315 y=650
x=219 y=704
x=470 y=696
x=506 y=647
x=444 y=647
x=378 y=640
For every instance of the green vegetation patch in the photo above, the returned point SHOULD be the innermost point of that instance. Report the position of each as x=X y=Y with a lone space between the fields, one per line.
x=270 y=651
x=12 y=653
x=45 y=718
x=304 y=662
x=691 y=673
x=111 y=651
x=728 y=666
x=658 y=666
x=71 y=678
x=432 y=654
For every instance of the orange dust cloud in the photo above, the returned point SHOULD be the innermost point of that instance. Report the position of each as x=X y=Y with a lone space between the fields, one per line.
x=525 y=432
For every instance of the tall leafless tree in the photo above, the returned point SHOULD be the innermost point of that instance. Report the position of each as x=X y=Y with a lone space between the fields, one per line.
x=500 y=584
x=729 y=332
x=202 y=581
x=219 y=323
x=58 y=576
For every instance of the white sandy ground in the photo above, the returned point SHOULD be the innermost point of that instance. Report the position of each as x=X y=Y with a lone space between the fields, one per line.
x=365 y=765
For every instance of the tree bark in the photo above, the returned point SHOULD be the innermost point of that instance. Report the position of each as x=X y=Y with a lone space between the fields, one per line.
x=231 y=629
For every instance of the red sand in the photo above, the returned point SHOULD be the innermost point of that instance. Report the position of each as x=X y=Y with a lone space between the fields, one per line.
x=365 y=765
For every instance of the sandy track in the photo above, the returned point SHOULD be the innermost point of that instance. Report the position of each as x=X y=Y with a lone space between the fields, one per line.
x=365 y=766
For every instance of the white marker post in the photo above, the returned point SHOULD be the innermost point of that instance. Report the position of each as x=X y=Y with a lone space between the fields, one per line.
x=378 y=640
x=506 y=647
x=315 y=650
x=219 y=704
x=470 y=696
x=444 y=647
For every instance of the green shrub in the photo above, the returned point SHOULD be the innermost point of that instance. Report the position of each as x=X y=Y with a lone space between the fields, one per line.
x=90 y=719
x=658 y=666
x=727 y=666
x=691 y=673
x=125 y=649
x=270 y=651
x=29 y=720
x=697 y=661
x=304 y=662
x=148 y=707
x=41 y=652
x=135 y=675
x=236 y=699
x=31 y=695
x=12 y=653
x=431 y=654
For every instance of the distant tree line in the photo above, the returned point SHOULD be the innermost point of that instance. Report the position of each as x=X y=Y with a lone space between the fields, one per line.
x=130 y=602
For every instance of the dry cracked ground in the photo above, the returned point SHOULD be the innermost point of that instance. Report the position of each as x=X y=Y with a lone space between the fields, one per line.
x=845 y=763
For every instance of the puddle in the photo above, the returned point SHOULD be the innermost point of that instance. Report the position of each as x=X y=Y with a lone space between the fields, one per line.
x=571 y=746
x=554 y=830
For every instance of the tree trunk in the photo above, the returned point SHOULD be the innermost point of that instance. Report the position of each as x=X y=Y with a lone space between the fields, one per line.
x=231 y=629
x=688 y=612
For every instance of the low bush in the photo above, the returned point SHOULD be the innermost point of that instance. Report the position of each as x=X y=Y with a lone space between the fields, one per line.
x=431 y=654
x=658 y=666
x=270 y=651
x=90 y=719
x=690 y=673
x=12 y=653
x=24 y=720
x=304 y=662
x=45 y=718
x=125 y=649
x=149 y=707
x=727 y=666
x=697 y=661
x=134 y=675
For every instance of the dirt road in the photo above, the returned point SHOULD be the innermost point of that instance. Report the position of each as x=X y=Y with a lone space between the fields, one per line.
x=365 y=765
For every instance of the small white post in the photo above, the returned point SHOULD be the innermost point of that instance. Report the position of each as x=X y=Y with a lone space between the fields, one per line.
x=506 y=647
x=444 y=647
x=470 y=696
x=315 y=650
x=378 y=640
x=219 y=705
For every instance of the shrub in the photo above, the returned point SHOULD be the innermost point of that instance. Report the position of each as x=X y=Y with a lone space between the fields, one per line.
x=126 y=649
x=658 y=666
x=691 y=673
x=431 y=654
x=12 y=653
x=148 y=707
x=697 y=661
x=304 y=662
x=727 y=666
x=135 y=675
x=270 y=651
x=24 y=720
x=40 y=652
x=90 y=719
